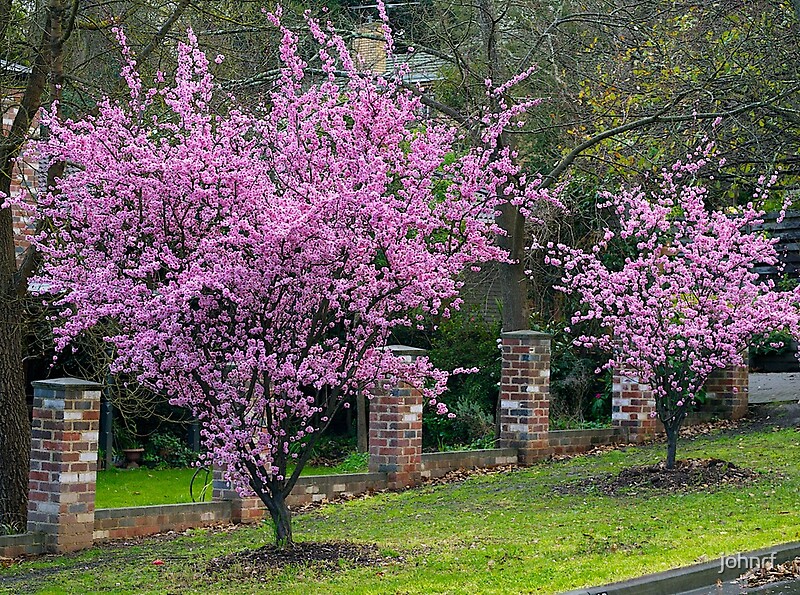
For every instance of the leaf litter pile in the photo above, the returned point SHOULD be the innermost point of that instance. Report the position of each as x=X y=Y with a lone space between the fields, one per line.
x=767 y=574
x=687 y=475
x=328 y=555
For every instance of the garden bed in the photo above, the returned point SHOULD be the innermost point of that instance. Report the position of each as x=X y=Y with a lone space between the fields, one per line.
x=687 y=475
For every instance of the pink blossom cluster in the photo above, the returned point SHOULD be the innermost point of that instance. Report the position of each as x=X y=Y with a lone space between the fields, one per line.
x=255 y=261
x=689 y=301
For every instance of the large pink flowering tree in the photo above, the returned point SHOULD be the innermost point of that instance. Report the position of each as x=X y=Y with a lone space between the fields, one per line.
x=253 y=262
x=687 y=301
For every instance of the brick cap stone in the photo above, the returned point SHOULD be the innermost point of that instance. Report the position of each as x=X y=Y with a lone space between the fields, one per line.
x=525 y=335
x=405 y=350
x=67 y=384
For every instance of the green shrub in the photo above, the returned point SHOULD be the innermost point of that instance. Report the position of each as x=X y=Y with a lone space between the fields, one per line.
x=12 y=527
x=465 y=340
x=775 y=343
x=471 y=425
x=579 y=396
x=125 y=434
x=331 y=449
x=165 y=450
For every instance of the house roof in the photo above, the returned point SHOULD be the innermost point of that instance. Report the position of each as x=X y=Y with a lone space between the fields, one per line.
x=422 y=67
x=15 y=68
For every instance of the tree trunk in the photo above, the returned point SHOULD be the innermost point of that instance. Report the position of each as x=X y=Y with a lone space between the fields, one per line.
x=513 y=281
x=362 y=427
x=281 y=520
x=15 y=431
x=672 y=445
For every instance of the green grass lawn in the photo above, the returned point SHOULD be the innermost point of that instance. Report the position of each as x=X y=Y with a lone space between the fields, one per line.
x=118 y=488
x=506 y=533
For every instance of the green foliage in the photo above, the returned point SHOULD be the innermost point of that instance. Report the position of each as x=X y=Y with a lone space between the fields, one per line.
x=166 y=450
x=472 y=427
x=600 y=409
x=487 y=442
x=465 y=340
x=787 y=283
x=11 y=528
x=774 y=202
x=332 y=450
x=776 y=342
x=125 y=435
x=579 y=396
x=569 y=424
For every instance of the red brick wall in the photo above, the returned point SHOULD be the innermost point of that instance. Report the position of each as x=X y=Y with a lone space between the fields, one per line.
x=248 y=509
x=632 y=404
x=437 y=464
x=324 y=488
x=727 y=392
x=570 y=442
x=25 y=544
x=138 y=521
x=63 y=461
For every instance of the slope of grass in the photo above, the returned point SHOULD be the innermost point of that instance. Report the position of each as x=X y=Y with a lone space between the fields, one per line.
x=507 y=533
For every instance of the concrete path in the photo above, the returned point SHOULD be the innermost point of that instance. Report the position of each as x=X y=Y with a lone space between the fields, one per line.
x=774 y=388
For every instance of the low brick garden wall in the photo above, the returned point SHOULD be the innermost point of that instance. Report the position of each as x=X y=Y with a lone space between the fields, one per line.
x=321 y=488
x=138 y=521
x=62 y=516
x=26 y=544
x=437 y=464
x=570 y=442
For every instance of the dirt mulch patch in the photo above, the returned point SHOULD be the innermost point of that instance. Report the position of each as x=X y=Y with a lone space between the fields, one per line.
x=764 y=575
x=326 y=555
x=687 y=475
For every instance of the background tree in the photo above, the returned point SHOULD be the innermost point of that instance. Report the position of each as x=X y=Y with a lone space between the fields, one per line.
x=255 y=263
x=627 y=86
x=687 y=301
x=47 y=35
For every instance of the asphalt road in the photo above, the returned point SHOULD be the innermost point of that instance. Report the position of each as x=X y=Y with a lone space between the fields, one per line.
x=774 y=388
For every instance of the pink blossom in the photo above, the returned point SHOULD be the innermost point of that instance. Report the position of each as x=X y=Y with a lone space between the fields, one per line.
x=690 y=300
x=254 y=263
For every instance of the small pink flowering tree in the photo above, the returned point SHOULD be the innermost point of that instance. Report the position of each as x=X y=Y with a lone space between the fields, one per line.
x=688 y=302
x=255 y=261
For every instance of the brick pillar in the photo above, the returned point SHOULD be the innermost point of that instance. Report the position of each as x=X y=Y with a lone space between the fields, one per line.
x=395 y=429
x=65 y=431
x=525 y=394
x=727 y=392
x=247 y=509
x=632 y=405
